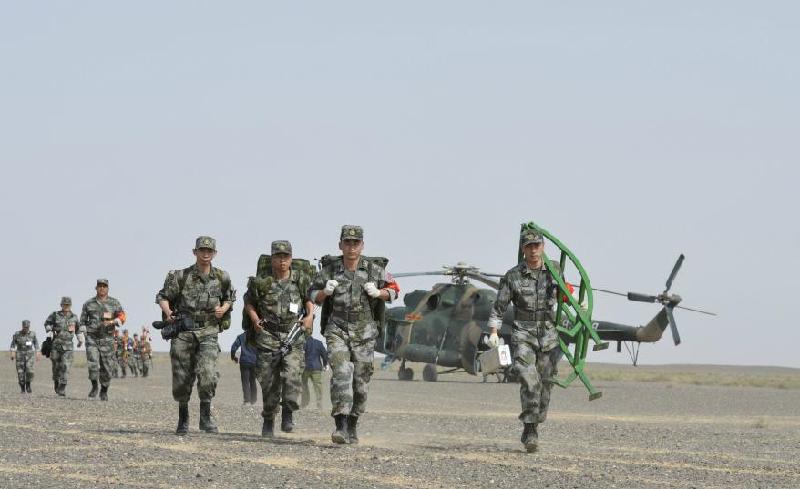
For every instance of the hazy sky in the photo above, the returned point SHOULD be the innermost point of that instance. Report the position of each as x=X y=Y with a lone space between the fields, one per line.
x=632 y=130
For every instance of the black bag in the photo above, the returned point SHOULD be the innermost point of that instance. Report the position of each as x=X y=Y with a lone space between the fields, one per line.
x=47 y=347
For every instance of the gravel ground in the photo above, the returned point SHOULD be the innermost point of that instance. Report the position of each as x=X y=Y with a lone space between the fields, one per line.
x=452 y=433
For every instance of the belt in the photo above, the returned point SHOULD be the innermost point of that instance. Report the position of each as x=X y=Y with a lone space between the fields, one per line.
x=202 y=317
x=351 y=316
x=523 y=315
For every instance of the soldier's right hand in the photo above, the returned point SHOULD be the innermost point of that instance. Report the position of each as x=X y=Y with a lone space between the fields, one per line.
x=493 y=339
x=330 y=285
x=12 y=357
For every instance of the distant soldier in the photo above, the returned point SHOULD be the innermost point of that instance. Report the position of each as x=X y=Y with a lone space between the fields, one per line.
x=351 y=286
x=274 y=303
x=145 y=353
x=100 y=315
x=122 y=352
x=62 y=326
x=133 y=354
x=115 y=363
x=247 y=367
x=203 y=294
x=25 y=349
x=534 y=341
x=316 y=360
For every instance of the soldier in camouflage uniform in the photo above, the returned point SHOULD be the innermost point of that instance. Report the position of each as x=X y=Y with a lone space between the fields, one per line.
x=145 y=354
x=115 y=364
x=534 y=339
x=351 y=285
x=62 y=326
x=100 y=315
x=25 y=350
x=122 y=352
x=133 y=354
x=204 y=294
x=274 y=303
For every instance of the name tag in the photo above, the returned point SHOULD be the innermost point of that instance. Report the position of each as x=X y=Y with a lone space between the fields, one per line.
x=293 y=308
x=28 y=343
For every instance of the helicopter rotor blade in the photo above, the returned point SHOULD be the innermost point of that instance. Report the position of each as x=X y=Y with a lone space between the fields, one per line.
x=673 y=327
x=697 y=310
x=416 y=274
x=610 y=292
x=637 y=297
x=674 y=272
x=484 y=279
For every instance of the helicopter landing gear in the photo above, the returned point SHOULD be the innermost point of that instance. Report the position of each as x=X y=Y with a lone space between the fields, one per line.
x=404 y=373
x=429 y=373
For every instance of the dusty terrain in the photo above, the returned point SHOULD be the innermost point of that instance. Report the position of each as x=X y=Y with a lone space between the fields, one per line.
x=654 y=427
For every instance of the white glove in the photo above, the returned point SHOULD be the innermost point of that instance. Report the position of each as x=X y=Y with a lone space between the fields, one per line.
x=493 y=340
x=50 y=334
x=80 y=339
x=329 y=286
x=372 y=290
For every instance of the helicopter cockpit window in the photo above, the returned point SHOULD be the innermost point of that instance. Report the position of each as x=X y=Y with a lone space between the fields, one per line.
x=433 y=302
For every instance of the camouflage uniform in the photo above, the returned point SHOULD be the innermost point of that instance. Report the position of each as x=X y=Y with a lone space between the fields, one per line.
x=193 y=353
x=64 y=326
x=25 y=345
x=351 y=329
x=534 y=339
x=145 y=353
x=133 y=356
x=122 y=355
x=99 y=339
x=282 y=302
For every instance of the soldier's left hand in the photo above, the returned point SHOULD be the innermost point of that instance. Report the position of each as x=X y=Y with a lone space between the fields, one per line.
x=219 y=311
x=372 y=290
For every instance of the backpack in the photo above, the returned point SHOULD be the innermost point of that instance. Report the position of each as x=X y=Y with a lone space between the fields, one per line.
x=377 y=305
x=263 y=280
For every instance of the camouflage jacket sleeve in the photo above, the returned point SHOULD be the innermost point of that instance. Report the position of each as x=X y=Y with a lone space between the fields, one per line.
x=317 y=284
x=50 y=322
x=251 y=296
x=85 y=315
x=501 y=303
x=171 y=289
x=81 y=328
x=13 y=346
x=35 y=342
x=228 y=293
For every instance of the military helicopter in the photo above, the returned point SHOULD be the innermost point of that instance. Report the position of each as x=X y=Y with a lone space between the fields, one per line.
x=447 y=325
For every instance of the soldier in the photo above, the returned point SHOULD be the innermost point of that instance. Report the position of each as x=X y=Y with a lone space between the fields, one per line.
x=100 y=315
x=115 y=363
x=122 y=352
x=25 y=349
x=62 y=326
x=145 y=353
x=201 y=296
x=534 y=339
x=351 y=286
x=316 y=359
x=274 y=303
x=133 y=354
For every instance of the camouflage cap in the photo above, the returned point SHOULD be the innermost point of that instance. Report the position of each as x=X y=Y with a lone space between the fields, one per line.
x=135 y=335
x=26 y=324
x=281 y=246
x=528 y=236
x=351 y=232
x=66 y=301
x=103 y=281
x=205 y=242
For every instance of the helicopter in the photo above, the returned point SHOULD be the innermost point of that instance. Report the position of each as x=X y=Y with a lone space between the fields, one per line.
x=447 y=326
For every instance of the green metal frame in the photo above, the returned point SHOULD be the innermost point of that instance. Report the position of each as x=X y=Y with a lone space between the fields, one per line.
x=572 y=320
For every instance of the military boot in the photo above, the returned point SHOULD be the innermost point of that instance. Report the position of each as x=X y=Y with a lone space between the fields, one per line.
x=55 y=386
x=61 y=390
x=268 y=428
x=104 y=393
x=287 y=424
x=530 y=437
x=183 y=419
x=93 y=392
x=22 y=387
x=352 y=434
x=28 y=387
x=340 y=434
x=207 y=422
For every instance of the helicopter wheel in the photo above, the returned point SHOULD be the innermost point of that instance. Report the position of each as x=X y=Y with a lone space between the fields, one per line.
x=405 y=374
x=429 y=373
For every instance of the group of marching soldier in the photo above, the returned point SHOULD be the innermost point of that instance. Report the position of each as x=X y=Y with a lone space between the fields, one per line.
x=196 y=304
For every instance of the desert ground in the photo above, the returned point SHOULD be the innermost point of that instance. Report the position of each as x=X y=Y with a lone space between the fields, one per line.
x=665 y=426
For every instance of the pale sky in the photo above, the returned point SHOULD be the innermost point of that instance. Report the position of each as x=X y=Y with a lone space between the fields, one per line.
x=633 y=131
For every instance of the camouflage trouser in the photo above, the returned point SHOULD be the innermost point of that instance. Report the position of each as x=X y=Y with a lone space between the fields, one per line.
x=146 y=364
x=100 y=358
x=62 y=361
x=115 y=367
x=133 y=363
x=535 y=368
x=194 y=357
x=316 y=380
x=25 y=362
x=122 y=364
x=350 y=354
x=280 y=380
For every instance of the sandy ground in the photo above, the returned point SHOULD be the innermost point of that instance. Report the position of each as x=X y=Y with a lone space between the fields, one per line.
x=457 y=432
